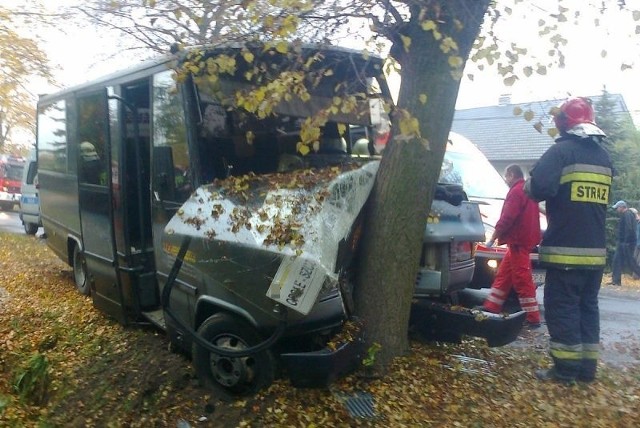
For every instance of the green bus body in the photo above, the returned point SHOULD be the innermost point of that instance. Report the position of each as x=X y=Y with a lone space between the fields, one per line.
x=176 y=207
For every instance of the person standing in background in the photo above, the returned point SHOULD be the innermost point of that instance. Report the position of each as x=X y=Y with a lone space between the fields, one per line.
x=573 y=177
x=626 y=241
x=519 y=228
x=636 y=252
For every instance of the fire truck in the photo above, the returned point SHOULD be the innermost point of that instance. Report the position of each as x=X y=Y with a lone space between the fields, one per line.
x=11 y=168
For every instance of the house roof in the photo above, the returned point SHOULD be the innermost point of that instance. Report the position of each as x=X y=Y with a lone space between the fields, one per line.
x=503 y=136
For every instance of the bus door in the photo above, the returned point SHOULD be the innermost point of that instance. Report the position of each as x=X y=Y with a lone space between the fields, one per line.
x=132 y=197
x=95 y=195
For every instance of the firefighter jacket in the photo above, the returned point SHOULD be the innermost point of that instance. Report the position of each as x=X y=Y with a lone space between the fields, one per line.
x=519 y=222
x=574 y=178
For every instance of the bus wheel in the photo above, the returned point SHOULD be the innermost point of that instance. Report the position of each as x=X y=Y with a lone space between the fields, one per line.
x=80 y=271
x=232 y=377
x=30 y=228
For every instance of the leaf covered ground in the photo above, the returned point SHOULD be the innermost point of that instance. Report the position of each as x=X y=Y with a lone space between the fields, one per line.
x=64 y=364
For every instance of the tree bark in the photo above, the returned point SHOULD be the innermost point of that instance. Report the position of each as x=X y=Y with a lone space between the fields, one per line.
x=409 y=170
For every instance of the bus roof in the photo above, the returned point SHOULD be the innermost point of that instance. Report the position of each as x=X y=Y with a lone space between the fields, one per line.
x=144 y=68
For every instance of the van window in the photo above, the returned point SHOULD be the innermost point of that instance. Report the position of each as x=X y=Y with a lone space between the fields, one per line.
x=476 y=175
x=52 y=137
x=31 y=172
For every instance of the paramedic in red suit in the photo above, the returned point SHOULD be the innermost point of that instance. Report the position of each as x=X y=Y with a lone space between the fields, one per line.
x=519 y=228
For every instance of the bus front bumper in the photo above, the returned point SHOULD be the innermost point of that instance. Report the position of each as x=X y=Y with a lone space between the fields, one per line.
x=318 y=369
x=448 y=323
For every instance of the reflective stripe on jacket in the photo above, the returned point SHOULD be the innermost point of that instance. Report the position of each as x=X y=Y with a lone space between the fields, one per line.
x=574 y=178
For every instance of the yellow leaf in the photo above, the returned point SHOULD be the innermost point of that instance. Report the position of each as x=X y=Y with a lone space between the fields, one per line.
x=455 y=61
x=509 y=81
x=406 y=42
x=538 y=126
x=248 y=56
x=303 y=149
x=448 y=44
x=528 y=115
x=428 y=25
x=552 y=132
x=250 y=137
x=282 y=47
x=423 y=98
x=409 y=126
x=517 y=111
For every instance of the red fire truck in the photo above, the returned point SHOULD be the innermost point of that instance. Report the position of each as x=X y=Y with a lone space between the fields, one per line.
x=10 y=177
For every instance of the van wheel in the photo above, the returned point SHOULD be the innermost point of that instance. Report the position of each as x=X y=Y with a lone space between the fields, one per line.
x=80 y=272
x=30 y=228
x=232 y=377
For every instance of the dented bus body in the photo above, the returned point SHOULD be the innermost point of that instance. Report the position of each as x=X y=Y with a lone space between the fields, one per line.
x=175 y=206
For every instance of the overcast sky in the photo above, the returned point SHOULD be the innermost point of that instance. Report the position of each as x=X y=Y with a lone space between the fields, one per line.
x=594 y=56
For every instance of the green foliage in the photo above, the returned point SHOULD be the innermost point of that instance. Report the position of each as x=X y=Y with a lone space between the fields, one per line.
x=372 y=351
x=32 y=381
x=623 y=144
x=19 y=65
x=4 y=403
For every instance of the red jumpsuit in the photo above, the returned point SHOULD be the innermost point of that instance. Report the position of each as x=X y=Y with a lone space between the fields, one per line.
x=519 y=228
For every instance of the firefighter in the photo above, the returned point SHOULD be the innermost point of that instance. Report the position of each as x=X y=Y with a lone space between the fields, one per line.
x=573 y=177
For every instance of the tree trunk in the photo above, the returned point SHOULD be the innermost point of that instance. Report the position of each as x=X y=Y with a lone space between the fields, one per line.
x=404 y=188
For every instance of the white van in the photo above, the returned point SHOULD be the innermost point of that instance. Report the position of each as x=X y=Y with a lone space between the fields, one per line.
x=466 y=165
x=29 y=201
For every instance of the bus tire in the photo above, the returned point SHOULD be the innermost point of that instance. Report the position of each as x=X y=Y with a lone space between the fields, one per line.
x=30 y=228
x=80 y=275
x=232 y=377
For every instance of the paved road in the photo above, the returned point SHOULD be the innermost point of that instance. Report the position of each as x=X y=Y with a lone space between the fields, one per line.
x=619 y=327
x=10 y=222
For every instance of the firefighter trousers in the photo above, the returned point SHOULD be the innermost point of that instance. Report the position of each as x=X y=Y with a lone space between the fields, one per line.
x=573 y=320
x=514 y=272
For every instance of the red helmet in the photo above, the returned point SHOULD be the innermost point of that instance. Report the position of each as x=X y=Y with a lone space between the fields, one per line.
x=573 y=112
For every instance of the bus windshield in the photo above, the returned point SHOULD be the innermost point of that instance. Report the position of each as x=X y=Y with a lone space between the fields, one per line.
x=234 y=141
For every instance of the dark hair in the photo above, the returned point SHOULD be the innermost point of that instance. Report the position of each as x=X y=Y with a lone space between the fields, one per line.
x=515 y=170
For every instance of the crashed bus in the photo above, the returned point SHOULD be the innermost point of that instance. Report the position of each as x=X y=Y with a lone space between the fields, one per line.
x=177 y=206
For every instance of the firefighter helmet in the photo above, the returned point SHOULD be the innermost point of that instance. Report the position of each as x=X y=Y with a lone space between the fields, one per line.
x=572 y=112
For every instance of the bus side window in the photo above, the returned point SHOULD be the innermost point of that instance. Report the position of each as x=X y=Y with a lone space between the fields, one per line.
x=92 y=134
x=91 y=169
x=164 y=173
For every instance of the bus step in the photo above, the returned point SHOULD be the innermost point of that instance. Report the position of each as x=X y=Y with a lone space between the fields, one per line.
x=156 y=317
